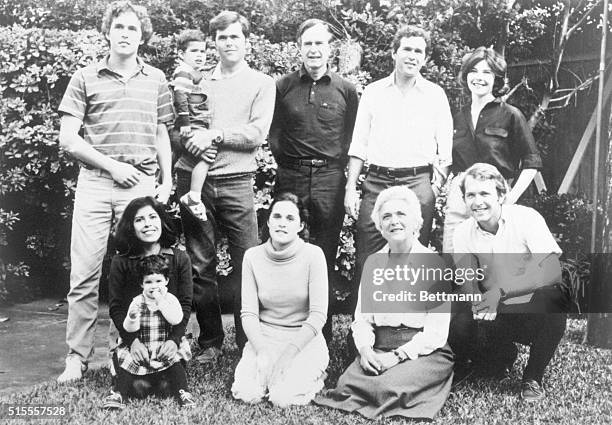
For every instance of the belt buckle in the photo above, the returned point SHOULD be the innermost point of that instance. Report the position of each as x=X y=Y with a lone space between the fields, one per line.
x=390 y=172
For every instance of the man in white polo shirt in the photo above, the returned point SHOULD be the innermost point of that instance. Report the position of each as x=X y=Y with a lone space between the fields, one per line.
x=404 y=130
x=522 y=298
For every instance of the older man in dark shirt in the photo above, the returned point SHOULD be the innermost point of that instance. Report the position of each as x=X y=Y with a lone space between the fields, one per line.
x=310 y=135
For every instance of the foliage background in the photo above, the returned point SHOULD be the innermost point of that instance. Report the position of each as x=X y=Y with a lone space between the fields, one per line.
x=43 y=42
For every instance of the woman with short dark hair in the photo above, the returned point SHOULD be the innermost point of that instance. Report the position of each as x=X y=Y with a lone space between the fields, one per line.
x=488 y=130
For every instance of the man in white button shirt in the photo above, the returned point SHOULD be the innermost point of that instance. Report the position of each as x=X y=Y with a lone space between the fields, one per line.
x=404 y=130
x=522 y=299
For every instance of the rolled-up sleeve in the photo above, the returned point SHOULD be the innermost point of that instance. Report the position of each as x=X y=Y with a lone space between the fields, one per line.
x=363 y=327
x=523 y=139
x=433 y=335
x=444 y=130
x=361 y=131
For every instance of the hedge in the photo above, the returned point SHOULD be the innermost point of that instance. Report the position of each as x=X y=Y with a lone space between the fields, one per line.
x=37 y=59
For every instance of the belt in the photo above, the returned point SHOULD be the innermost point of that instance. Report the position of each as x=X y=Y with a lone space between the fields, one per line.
x=315 y=163
x=399 y=172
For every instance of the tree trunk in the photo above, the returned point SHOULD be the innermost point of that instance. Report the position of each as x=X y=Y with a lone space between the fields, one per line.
x=599 y=325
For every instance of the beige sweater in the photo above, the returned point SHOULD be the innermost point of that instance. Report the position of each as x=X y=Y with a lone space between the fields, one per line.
x=285 y=288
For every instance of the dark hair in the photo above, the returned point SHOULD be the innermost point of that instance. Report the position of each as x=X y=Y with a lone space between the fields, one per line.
x=302 y=211
x=116 y=8
x=313 y=22
x=153 y=264
x=481 y=172
x=126 y=240
x=225 y=19
x=495 y=61
x=188 y=36
x=410 y=31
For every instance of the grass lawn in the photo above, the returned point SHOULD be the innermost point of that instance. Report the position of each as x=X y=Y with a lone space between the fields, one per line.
x=578 y=384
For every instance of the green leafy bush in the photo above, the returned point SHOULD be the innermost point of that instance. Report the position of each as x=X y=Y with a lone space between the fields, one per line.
x=43 y=42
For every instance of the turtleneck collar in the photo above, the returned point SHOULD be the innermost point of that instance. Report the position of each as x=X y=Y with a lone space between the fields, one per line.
x=286 y=254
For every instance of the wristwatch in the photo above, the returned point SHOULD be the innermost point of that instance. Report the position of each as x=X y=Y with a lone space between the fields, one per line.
x=401 y=356
x=219 y=139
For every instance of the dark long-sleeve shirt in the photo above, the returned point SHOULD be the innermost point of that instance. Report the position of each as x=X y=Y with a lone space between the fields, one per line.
x=313 y=119
x=124 y=284
x=501 y=138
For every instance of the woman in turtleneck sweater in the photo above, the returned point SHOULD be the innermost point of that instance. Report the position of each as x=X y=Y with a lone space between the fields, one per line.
x=284 y=307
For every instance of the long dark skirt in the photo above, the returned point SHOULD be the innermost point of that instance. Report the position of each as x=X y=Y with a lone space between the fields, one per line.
x=413 y=389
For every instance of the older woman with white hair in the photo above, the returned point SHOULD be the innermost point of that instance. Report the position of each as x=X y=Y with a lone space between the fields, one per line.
x=404 y=367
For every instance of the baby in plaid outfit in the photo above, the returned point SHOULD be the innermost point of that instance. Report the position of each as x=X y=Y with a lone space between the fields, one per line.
x=152 y=314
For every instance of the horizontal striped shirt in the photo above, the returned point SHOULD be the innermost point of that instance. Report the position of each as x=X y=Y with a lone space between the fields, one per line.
x=191 y=97
x=120 y=115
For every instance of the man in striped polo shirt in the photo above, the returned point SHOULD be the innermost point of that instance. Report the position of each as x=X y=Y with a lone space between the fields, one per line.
x=123 y=106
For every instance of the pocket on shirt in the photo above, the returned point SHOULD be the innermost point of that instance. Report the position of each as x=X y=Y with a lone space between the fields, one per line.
x=329 y=112
x=495 y=131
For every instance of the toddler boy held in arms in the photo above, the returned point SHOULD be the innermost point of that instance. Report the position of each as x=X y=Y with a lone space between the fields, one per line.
x=192 y=104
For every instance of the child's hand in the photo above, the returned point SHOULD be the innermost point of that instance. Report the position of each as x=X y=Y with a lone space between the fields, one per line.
x=185 y=131
x=134 y=311
x=159 y=293
x=139 y=352
x=167 y=351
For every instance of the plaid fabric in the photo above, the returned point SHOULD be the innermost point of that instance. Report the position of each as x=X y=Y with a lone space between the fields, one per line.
x=154 y=331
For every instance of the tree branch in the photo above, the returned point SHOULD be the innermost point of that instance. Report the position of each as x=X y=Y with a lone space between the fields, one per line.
x=565 y=98
x=515 y=88
x=586 y=14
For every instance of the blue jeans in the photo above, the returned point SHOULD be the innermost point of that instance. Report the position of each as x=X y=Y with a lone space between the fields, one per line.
x=322 y=192
x=98 y=202
x=230 y=208
x=368 y=238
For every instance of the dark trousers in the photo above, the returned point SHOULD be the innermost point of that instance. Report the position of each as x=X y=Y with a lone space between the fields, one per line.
x=539 y=324
x=230 y=208
x=322 y=192
x=166 y=383
x=368 y=238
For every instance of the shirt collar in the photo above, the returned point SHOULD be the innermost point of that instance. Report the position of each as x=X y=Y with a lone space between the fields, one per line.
x=503 y=218
x=103 y=65
x=417 y=248
x=418 y=84
x=162 y=251
x=217 y=75
x=497 y=101
x=304 y=75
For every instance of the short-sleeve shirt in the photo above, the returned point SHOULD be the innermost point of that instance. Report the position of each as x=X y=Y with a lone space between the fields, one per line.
x=501 y=138
x=522 y=230
x=120 y=115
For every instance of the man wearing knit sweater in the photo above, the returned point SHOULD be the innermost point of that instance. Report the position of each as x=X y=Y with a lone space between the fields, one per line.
x=243 y=105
